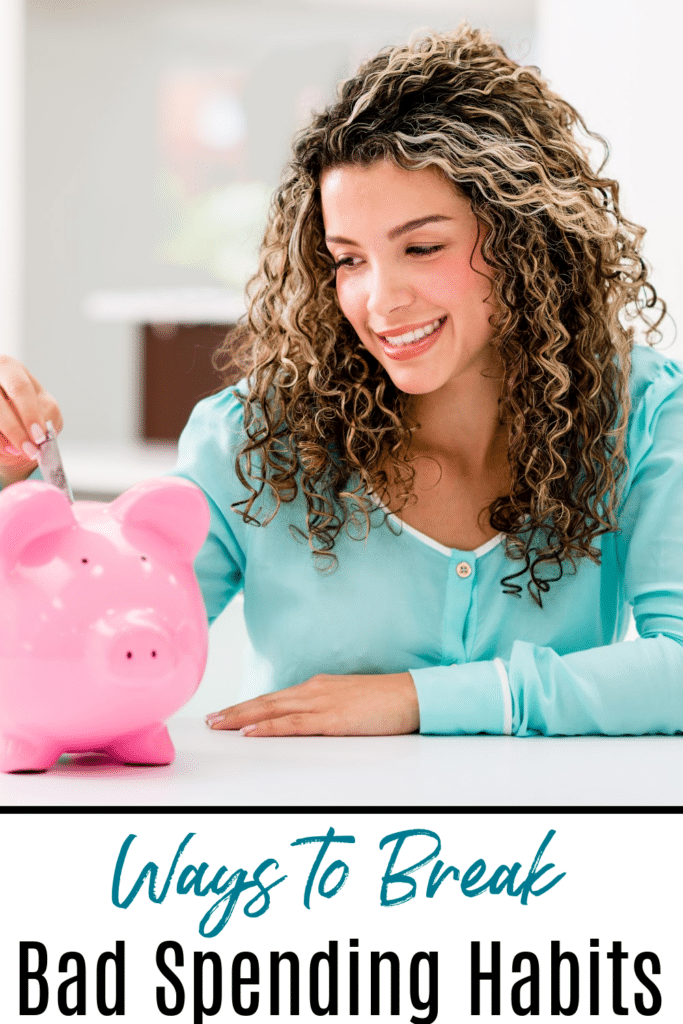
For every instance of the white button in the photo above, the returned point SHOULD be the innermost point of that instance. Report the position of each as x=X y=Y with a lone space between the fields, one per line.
x=463 y=569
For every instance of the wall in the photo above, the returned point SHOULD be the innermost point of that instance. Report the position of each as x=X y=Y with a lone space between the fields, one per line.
x=11 y=168
x=619 y=65
x=98 y=205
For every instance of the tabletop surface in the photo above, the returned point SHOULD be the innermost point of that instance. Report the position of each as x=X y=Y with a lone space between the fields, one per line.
x=227 y=769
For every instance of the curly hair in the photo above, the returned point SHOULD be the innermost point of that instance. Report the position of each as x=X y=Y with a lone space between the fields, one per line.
x=568 y=281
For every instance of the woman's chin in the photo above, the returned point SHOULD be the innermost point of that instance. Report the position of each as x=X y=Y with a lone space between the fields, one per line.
x=415 y=382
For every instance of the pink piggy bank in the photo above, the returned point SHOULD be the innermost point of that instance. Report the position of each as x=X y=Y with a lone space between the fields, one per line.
x=103 y=630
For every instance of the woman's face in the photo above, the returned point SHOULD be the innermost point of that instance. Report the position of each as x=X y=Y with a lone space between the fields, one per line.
x=408 y=260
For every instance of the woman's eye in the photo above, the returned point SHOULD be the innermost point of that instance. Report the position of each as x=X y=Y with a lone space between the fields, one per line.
x=417 y=250
x=424 y=250
x=345 y=261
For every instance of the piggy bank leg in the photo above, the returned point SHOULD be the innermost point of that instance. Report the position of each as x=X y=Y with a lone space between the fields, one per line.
x=20 y=755
x=149 y=746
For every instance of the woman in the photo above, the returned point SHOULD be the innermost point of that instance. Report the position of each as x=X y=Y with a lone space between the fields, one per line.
x=448 y=474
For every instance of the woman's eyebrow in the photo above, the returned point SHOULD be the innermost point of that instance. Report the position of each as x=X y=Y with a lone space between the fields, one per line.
x=395 y=232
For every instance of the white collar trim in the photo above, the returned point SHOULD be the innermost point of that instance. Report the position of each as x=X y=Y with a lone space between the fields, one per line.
x=430 y=542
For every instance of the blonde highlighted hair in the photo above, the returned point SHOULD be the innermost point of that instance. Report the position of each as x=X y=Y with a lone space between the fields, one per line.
x=568 y=280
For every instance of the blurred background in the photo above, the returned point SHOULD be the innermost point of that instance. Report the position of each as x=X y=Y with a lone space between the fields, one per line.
x=140 y=141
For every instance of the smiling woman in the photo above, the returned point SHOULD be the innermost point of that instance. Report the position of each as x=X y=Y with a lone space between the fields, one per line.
x=418 y=297
x=415 y=277
x=449 y=474
x=439 y=364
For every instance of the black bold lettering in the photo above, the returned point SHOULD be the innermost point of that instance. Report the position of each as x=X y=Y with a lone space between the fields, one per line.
x=216 y=983
x=275 y=961
x=238 y=981
x=431 y=1003
x=162 y=949
x=353 y=979
x=532 y=980
x=78 y=980
x=595 y=979
x=25 y=976
x=332 y=1007
x=375 y=960
x=556 y=959
x=118 y=959
x=477 y=976
x=616 y=956
x=647 y=1011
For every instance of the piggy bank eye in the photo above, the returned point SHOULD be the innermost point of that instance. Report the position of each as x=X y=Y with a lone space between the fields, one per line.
x=84 y=559
x=143 y=557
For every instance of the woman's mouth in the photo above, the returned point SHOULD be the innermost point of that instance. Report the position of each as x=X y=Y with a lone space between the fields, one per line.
x=408 y=346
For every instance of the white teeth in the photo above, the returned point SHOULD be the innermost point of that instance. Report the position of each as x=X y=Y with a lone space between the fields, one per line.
x=411 y=336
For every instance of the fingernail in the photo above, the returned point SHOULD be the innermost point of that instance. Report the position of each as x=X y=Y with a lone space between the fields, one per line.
x=11 y=450
x=246 y=729
x=212 y=719
x=37 y=433
x=29 y=450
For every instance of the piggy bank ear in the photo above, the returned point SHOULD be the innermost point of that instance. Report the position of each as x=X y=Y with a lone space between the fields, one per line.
x=32 y=513
x=173 y=508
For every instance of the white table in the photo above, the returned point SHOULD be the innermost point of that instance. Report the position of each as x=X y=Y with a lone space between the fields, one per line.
x=227 y=769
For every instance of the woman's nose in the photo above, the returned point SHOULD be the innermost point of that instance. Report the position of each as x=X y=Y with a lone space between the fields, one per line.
x=388 y=290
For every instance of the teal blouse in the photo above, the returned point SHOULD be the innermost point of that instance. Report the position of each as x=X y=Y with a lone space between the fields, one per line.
x=482 y=661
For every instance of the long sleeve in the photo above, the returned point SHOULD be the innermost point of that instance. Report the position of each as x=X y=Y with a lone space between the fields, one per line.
x=633 y=687
x=35 y=475
x=206 y=452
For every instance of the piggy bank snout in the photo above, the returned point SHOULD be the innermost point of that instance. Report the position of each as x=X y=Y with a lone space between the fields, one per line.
x=141 y=653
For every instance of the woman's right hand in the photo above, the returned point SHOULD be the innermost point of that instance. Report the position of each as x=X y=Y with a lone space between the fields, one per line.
x=24 y=406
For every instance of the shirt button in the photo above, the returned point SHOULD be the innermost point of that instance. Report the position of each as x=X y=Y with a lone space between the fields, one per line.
x=463 y=569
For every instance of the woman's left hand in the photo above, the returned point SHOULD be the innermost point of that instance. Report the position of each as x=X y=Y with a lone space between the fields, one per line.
x=326 y=705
